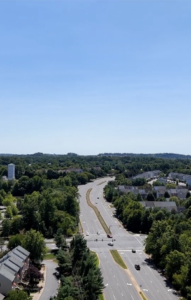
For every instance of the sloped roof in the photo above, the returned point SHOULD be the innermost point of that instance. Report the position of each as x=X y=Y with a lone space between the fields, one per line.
x=19 y=254
x=13 y=268
x=15 y=260
x=23 y=251
x=6 y=273
x=160 y=204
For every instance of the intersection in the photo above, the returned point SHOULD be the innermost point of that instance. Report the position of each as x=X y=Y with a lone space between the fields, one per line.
x=118 y=284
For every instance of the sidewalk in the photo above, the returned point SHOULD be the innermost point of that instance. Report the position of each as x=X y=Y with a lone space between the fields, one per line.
x=37 y=295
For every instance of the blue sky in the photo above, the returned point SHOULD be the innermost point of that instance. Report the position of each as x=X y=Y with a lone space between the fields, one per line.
x=95 y=76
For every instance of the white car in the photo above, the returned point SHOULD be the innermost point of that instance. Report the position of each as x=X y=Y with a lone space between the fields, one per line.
x=87 y=233
x=98 y=232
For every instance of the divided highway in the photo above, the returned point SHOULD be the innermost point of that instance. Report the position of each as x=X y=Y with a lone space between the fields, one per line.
x=117 y=282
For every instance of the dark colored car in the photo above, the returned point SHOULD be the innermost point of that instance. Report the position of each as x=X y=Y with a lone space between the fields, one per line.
x=133 y=250
x=110 y=244
x=137 y=267
x=57 y=274
x=110 y=236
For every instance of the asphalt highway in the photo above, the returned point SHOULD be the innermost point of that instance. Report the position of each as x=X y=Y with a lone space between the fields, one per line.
x=117 y=282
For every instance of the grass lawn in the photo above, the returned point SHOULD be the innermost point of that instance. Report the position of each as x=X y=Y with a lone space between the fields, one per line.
x=97 y=260
x=118 y=259
x=101 y=297
x=49 y=256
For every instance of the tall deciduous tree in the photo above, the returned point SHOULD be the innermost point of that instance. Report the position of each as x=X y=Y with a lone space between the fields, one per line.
x=33 y=241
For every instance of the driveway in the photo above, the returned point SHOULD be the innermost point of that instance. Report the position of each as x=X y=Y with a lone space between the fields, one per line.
x=51 y=284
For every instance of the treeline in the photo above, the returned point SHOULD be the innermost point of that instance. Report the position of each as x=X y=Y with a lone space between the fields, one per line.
x=49 y=165
x=132 y=214
x=81 y=277
x=169 y=243
x=44 y=211
x=136 y=217
x=156 y=155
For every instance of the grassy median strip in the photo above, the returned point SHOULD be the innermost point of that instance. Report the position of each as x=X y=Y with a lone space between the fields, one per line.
x=118 y=259
x=143 y=296
x=97 y=212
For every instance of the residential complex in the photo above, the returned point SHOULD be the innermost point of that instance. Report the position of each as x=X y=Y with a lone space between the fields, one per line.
x=182 y=177
x=12 y=267
x=148 y=175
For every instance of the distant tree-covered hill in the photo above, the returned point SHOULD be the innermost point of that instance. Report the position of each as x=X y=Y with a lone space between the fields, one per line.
x=156 y=155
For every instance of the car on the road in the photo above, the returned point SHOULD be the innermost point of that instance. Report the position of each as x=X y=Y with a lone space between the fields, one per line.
x=97 y=197
x=110 y=244
x=52 y=297
x=87 y=233
x=110 y=236
x=137 y=267
x=133 y=251
x=98 y=233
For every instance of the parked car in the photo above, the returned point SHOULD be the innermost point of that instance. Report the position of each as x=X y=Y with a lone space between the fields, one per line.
x=137 y=267
x=57 y=274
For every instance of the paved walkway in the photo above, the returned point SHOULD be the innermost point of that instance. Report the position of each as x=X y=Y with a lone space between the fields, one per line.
x=50 y=284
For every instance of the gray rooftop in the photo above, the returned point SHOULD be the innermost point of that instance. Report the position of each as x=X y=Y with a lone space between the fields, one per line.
x=22 y=250
x=15 y=260
x=160 y=204
x=6 y=273
x=19 y=254
x=13 y=268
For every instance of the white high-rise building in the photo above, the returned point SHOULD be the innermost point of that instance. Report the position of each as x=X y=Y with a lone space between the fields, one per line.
x=11 y=171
